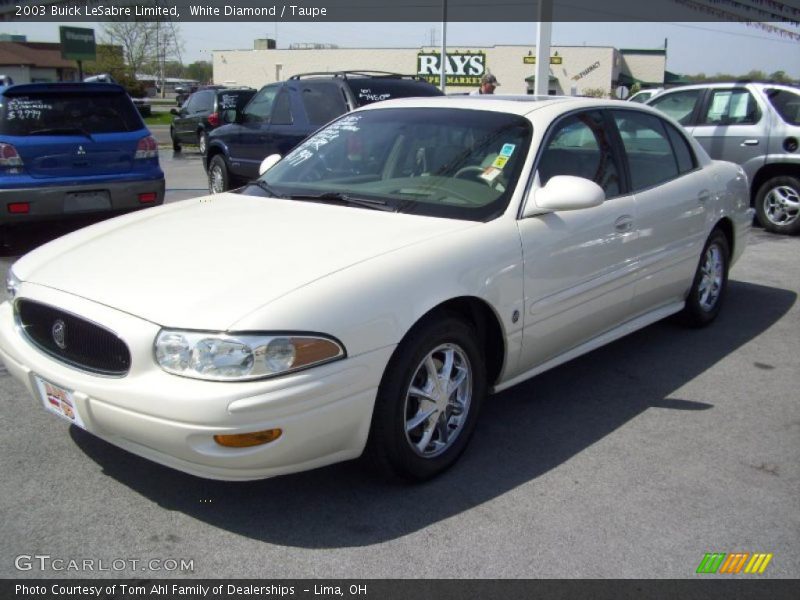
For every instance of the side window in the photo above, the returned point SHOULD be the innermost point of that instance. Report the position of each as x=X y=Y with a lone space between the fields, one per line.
x=648 y=148
x=259 y=109
x=323 y=102
x=281 y=113
x=731 y=107
x=579 y=146
x=204 y=102
x=687 y=161
x=678 y=105
x=786 y=103
x=191 y=104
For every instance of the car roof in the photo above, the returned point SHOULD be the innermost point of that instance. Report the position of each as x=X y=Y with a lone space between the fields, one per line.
x=518 y=105
x=728 y=84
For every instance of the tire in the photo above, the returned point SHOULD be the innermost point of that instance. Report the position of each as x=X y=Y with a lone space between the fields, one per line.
x=778 y=205
x=218 y=176
x=402 y=440
x=202 y=141
x=710 y=282
x=176 y=146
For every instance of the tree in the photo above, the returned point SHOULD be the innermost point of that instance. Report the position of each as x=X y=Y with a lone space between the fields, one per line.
x=200 y=70
x=145 y=44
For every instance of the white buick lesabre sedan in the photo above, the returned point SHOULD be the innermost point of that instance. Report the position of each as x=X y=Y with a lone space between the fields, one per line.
x=369 y=291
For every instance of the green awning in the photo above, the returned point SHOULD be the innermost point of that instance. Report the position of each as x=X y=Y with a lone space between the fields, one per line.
x=532 y=79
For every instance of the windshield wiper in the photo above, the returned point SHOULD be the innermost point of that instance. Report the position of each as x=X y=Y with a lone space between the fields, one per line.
x=344 y=199
x=62 y=131
x=263 y=185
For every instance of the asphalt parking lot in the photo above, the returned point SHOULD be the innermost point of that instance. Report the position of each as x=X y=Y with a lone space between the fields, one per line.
x=632 y=461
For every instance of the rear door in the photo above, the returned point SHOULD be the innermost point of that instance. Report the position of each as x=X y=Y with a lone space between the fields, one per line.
x=733 y=125
x=671 y=192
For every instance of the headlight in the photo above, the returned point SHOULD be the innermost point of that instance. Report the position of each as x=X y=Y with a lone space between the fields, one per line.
x=241 y=357
x=12 y=284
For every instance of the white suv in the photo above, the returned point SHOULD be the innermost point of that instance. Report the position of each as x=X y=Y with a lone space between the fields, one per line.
x=756 y=125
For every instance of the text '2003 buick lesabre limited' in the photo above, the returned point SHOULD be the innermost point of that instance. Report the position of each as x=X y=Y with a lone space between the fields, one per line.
x=369 y=290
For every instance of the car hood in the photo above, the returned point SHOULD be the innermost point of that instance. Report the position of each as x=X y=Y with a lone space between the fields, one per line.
x=207 y=262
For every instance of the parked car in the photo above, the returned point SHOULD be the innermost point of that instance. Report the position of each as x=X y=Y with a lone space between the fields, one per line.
x=143 y=106
x=645 y=95
x=202 y=113
x=72 y=149
x=756 y=125
x=371 y=289
x=182 y=93
x=283 y=114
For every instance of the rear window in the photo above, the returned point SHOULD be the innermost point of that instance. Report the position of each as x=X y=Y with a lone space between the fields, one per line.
x=233 y=99
x=786 y=103
x=49 y=113
x=374 y=89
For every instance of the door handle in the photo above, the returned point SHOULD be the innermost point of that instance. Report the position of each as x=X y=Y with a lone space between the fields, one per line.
x=624 y=223
x=749 y=143
x=704 y=196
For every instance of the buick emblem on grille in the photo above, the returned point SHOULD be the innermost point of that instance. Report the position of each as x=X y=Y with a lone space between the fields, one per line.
x=59 y=332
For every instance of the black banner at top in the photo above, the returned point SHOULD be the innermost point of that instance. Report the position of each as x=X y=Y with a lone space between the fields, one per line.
x=785 y=13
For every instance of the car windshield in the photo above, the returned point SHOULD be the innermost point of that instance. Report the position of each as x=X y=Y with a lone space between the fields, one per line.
x=451 y=163
x=65 y=112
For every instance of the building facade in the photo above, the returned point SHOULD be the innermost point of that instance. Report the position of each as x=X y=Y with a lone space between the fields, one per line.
x=35 y=62
x=574 y=70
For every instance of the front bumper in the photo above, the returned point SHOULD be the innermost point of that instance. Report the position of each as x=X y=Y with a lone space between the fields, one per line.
x=52 y=202
x=324 y=412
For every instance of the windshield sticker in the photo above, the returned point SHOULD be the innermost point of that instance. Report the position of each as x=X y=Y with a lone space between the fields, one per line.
x=25 y=108
x=507 y=150
x=500 y=162
x=228 y=102
x=490 y=173
x=369 y=96
x=306 y=150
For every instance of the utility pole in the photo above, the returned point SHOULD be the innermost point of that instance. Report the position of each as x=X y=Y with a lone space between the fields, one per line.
x=543 y=35
x=443 y=65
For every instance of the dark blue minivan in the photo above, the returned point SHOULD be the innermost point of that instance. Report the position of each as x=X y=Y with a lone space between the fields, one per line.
x=73 y=149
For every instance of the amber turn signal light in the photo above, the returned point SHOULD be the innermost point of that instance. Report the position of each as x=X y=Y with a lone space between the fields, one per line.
x=246 y=440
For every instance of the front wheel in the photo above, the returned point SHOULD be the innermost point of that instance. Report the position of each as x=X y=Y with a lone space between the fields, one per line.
x=428 y=400
x=710 y=282
x=218 y=176
x=778 y=205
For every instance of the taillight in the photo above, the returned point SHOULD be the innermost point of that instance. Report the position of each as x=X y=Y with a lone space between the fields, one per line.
x=147 y=148
x=10 y=160
x=213 y=119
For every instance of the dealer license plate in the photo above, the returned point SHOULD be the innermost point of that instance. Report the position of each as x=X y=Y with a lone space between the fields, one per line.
x=59 y=401
x=76 y=202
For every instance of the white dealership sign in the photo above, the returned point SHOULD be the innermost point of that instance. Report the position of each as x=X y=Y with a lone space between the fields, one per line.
x=461 y=68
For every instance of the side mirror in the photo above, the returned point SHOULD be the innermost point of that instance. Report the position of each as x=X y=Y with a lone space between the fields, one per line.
x=268 y=163
x=173 y=111
x=564 y=192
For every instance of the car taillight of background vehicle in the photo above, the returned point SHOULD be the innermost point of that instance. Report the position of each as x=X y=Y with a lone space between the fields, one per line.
x=213 y=119
x=147 y=148
x=10 y=160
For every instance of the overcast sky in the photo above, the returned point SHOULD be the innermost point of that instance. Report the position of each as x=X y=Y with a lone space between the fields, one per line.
x=692 y=47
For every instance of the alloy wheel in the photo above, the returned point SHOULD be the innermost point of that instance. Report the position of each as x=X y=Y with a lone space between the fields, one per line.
x=438 y=400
